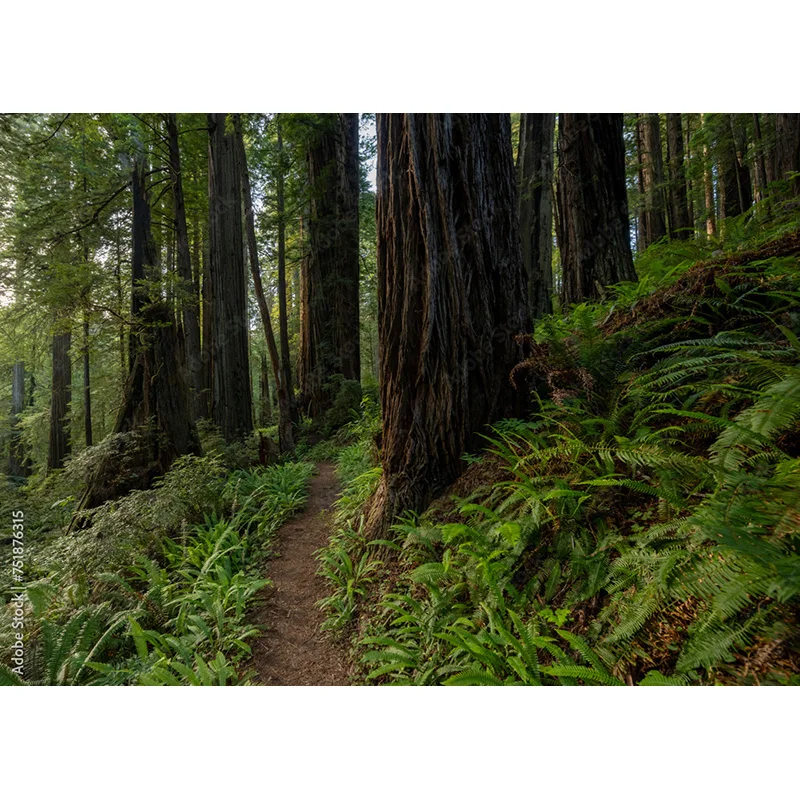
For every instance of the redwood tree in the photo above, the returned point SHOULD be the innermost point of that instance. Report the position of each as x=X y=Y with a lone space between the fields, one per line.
x=535 y=177
x=155 y=403
x=231 y=405
x=330 y=336
x=188 y=295
x=787 y=148
x=592 y=205
x=451 y=297
x=680 y=221
x=653 y=173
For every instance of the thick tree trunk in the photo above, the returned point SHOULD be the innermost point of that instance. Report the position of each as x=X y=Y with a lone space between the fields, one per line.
x=231 y=404
x=286 y=441
x=592 y=206
x=787 y=148
x=534 y=178
x=59 y=445
x=18 y=464
x=653 y=172
x=330 y=286
x=680 y=220
x=451 y=297
x=283 y=314
x=188 y=295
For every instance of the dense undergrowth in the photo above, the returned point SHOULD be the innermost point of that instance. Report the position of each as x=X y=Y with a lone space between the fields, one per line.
x=641 y=526
x=155 y=588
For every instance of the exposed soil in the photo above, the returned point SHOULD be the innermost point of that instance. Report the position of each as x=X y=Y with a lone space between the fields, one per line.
x=293 y=650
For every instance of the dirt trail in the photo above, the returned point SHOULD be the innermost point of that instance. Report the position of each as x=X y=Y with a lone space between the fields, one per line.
x=293 y=651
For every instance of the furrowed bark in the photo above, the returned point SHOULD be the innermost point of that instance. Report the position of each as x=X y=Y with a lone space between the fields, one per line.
x=231 y=404
x=331 y=336
x=452 y=297
x=534 y=177
x=592 y=206
x=188 y=295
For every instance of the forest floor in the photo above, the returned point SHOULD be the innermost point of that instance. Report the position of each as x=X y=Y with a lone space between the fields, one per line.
x=293 y=651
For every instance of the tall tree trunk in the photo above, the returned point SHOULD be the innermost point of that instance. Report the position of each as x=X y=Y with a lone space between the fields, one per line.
x=451 y=297
x=156 y=396
x=59 y=445
x=123 y=361
x=87 y=384
x=188 y=294
x=534 y=178
x=653 y=171
x=332 y=337
x=18 y=464
x=787 y=148
x=263 y=385
x=760 y=171
x=286 y=441
x=642 y=236
x=283 y=314
x=680 y=219
x=708 y=182
x=231 y=404
x=592 y=206
x=690 y=204
x=734 y=177
x=207 y=347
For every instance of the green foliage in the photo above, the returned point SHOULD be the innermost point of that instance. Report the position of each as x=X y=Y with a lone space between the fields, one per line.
x=346 y=404
x=177 y=595
x=645 y=529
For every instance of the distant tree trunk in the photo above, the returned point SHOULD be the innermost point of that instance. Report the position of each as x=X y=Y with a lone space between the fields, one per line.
x=653 y=171
x=734 y=177
x=59 y=445
x=592 y=206
x=283 y=313
x=708 y=183
x=231 y=404
x=286 y=441
x=641 y=217
x=787 y=148
x=680 y=220
x=18 y=464
x=534 y=178
x=87 y=384
x=263 y=385
x=760 y=171
x=87 y=390
x=207 y=348
x=330 y=286
x=451 y=297
x=123 y=361
x=188 y=295
x=689 y=184
x=156 y=395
